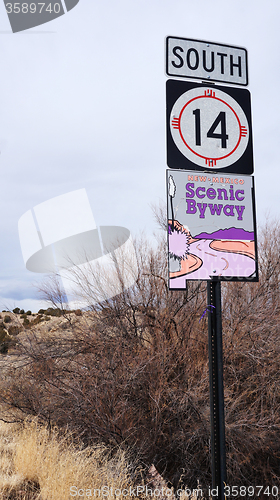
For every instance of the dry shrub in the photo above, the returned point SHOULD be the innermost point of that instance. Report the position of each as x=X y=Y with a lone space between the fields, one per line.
x=251 y=317
x=47 y=464
x=135 y=374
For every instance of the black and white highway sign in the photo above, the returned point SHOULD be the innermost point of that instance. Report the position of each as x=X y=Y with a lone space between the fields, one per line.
x=187 y=58
x=209 y=127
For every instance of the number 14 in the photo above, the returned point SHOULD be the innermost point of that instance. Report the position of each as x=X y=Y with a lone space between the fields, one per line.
x=221 y=119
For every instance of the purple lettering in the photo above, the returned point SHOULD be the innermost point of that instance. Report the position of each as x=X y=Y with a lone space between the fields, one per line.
x=190 y=191
x=239 y=209
x=220 y=191
x=215 y=209
x=211 y=193
x=202 y=207
x=231 y=192
x=237 y=194
x=200 y=195
x=228 y=210
x=191 y=207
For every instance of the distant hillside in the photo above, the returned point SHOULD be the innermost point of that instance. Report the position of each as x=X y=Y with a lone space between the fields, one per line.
x=231 y=233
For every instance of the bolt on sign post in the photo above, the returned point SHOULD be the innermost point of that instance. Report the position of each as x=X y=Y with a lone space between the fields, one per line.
x=210 y=193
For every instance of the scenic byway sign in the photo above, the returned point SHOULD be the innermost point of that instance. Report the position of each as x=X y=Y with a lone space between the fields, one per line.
x=187 y=58
x=208 y=127
x=211 y=227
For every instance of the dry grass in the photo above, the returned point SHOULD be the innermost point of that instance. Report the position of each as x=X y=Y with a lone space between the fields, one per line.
x=38 y=464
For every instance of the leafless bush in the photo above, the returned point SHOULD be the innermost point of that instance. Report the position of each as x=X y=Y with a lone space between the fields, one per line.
x=251 y=317
x=134 y=373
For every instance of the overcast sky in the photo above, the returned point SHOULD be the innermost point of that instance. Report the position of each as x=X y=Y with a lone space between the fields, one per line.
x=82 y=103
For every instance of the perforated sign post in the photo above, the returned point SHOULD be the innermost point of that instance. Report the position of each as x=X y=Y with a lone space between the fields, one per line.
x=208 y=128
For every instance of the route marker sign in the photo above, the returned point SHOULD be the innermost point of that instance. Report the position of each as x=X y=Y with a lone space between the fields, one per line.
x=211 y=227
x=208 y=127
x=187 y=58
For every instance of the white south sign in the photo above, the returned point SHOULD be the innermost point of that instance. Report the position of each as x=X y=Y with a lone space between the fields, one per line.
x=209 y=127
x=187 y=58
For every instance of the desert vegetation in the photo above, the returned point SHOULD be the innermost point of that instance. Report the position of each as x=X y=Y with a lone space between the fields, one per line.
x=131 y=374
x=37 y=463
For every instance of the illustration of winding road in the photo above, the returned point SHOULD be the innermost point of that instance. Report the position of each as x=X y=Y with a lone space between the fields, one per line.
x=209 y=257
